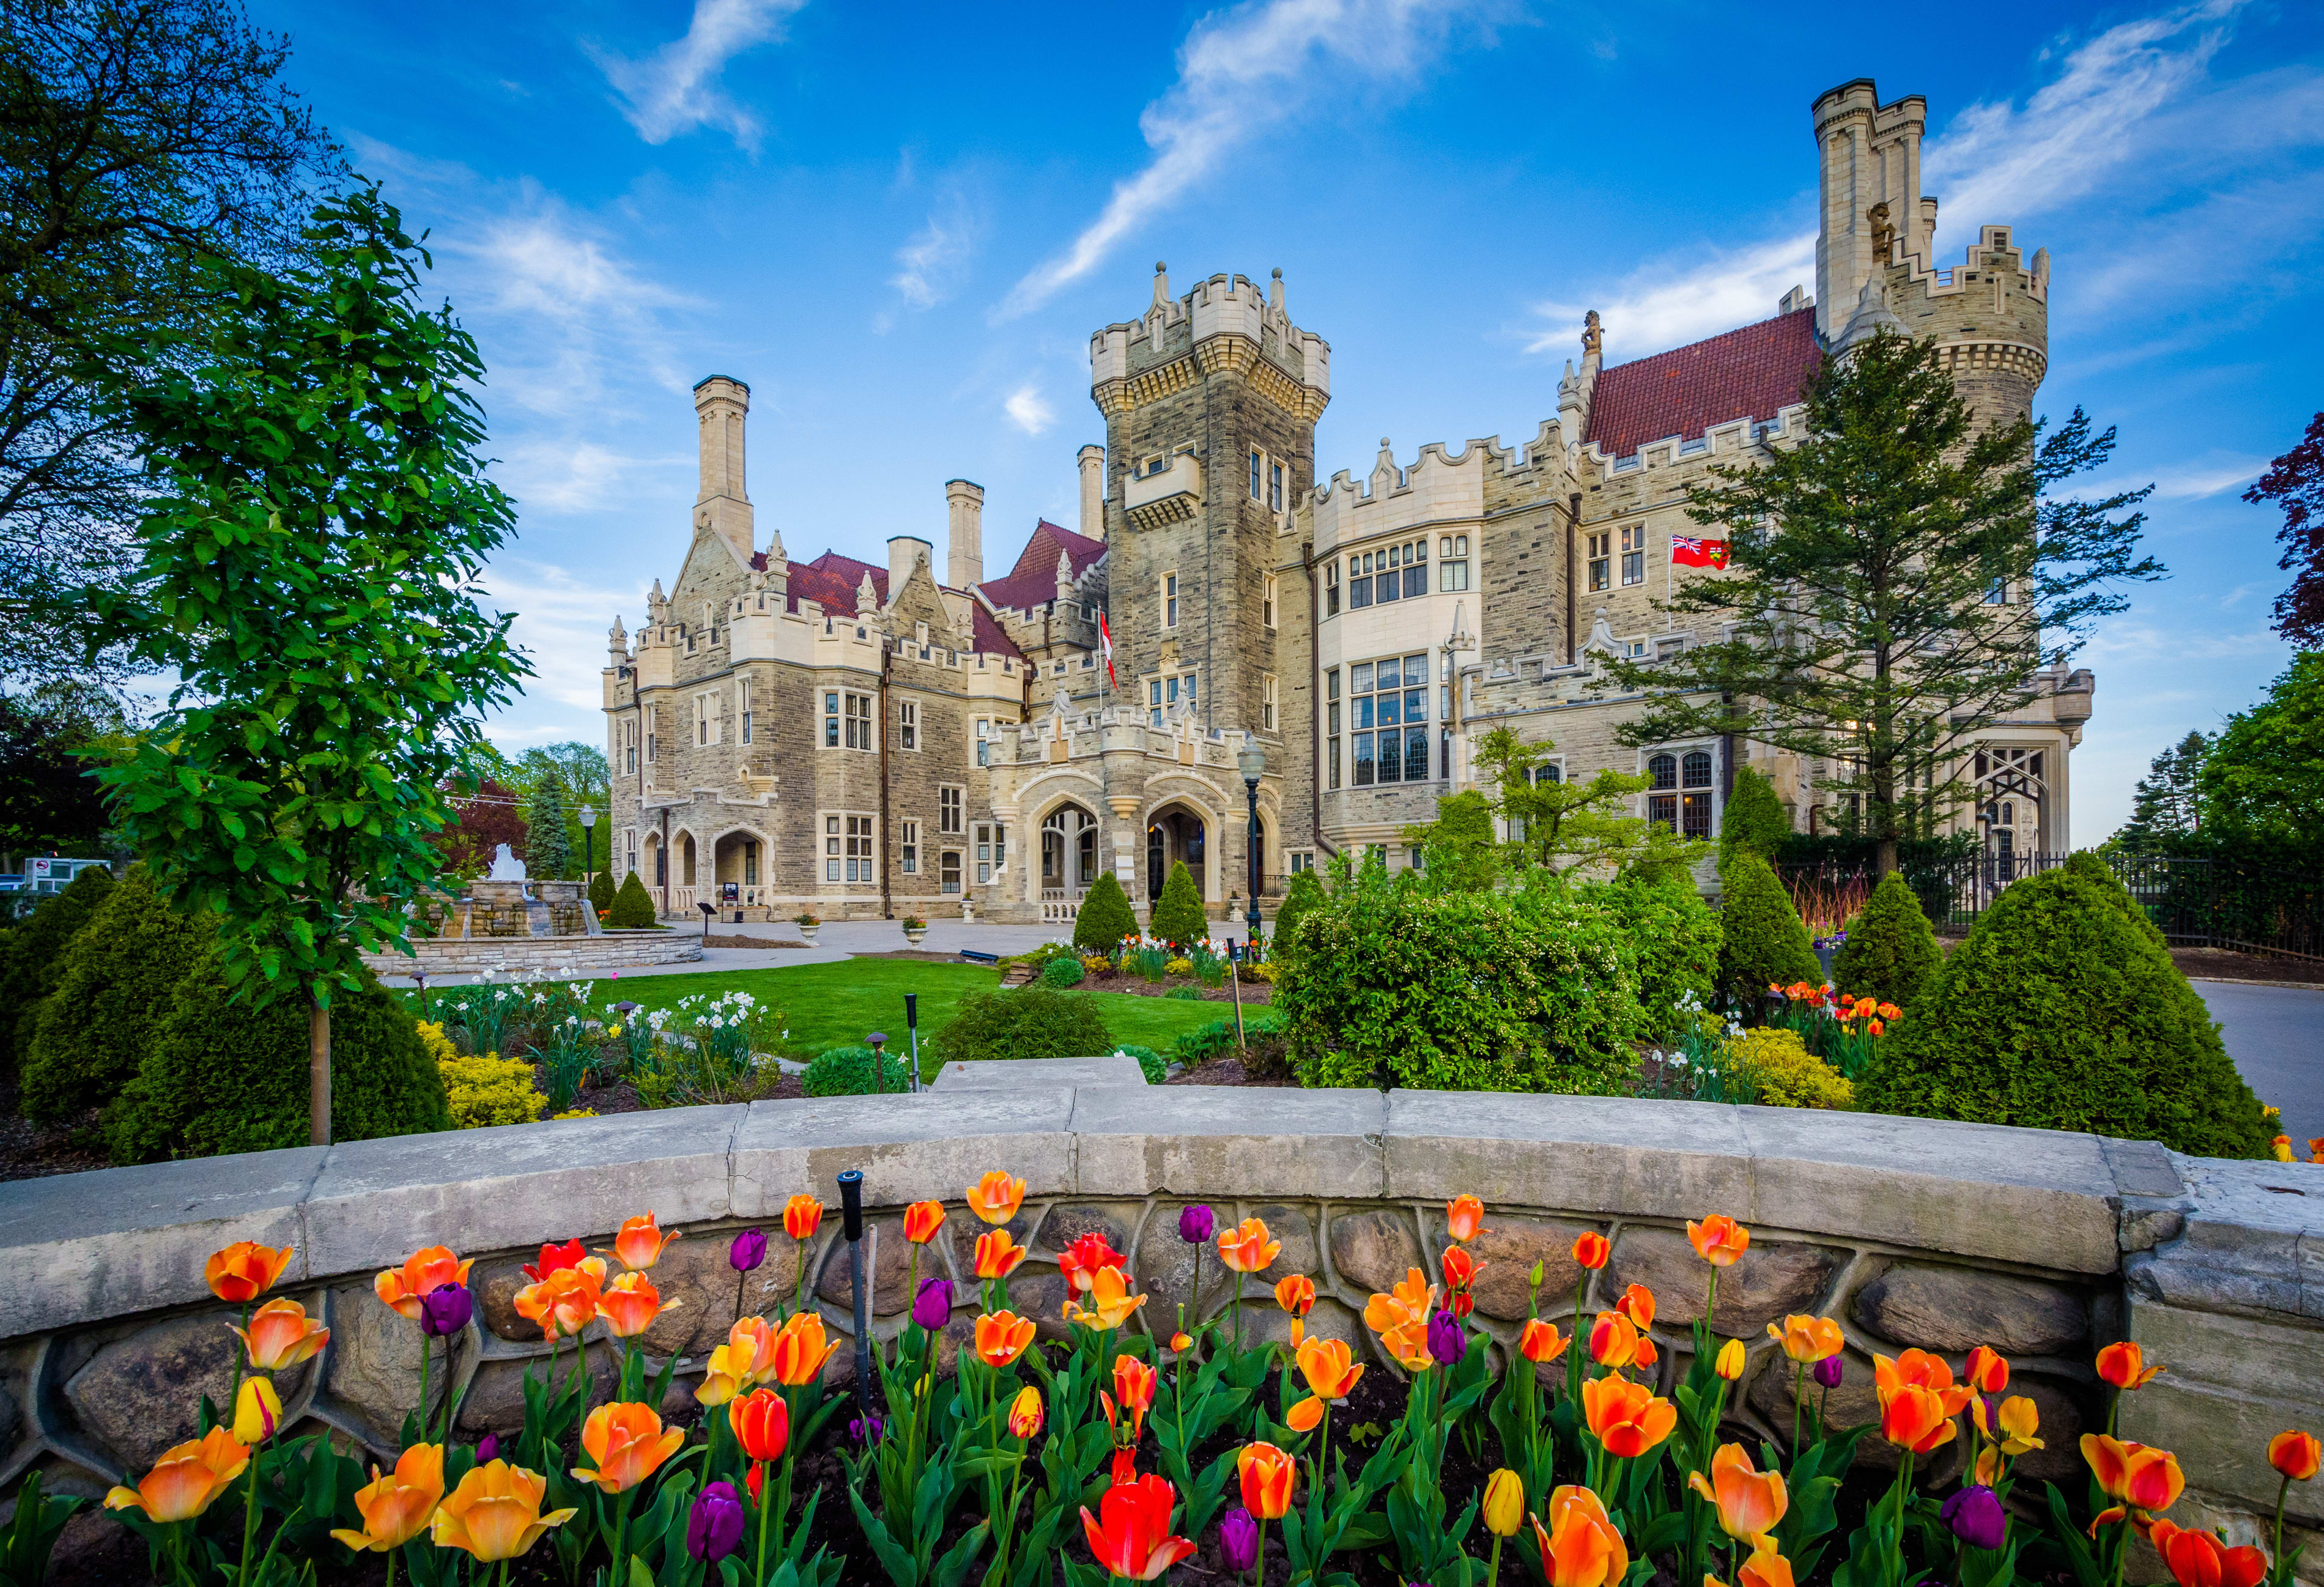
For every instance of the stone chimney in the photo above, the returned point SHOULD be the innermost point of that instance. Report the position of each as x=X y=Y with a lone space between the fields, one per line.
x=906 y=552
x=964 y=533
x=1092 y=461
x=724 y=507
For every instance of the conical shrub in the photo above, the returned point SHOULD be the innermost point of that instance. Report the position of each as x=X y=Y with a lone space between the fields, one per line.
x=1754 y=818
x=1105 y=917
x=1178 y=913
x=1762 y=942
x=633 y=906
x=601 y=892
x=30 y=955
x=115 y=985
x=1890 y=952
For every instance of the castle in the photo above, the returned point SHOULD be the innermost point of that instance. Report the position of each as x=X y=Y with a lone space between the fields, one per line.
x=850 y=740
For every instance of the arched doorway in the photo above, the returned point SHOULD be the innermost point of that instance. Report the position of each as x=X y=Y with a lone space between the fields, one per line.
x=686 y=859
x=739 y=863
x=1069 y=862
x=1172 y=834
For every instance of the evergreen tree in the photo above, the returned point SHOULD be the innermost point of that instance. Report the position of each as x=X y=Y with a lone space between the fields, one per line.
x=114 y=985
x=1754 y=818
x=30 y=955
x=2168 y=802
x=1303 y=892
x=601 y=892
x=1762 y=942
x=634 y=906
x=1890 y=952
x=1861 y=595
x=546 y=854
x=1178 y=915
x=1105 y=917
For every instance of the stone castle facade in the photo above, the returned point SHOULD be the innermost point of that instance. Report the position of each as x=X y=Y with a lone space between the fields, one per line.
x=853 y=740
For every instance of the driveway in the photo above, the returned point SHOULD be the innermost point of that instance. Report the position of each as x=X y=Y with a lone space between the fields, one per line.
x=2275 y=1034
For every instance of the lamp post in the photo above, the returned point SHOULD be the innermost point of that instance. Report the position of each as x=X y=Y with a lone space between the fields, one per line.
x=588 y=850
x=1252 y=761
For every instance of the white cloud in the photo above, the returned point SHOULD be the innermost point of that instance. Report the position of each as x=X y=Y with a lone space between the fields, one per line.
x=676 y=88
x=562 y=623
x=1240 y=70
x=1663 y=306
x=577 y=476
x=1029 y=410
x=929 y=266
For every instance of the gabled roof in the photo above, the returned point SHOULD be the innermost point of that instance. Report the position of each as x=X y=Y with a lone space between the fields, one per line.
x=1033 y=581
x=831 y=581
x=1753 y=372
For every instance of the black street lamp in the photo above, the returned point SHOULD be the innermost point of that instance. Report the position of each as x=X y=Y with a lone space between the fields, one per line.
x=588 y=850
x=1252 y=761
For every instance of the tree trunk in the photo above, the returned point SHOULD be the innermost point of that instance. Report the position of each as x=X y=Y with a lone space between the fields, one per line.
x=319 y=1075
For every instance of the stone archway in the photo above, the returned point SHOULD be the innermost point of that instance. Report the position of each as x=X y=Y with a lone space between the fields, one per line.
x=1069 y=850
x=1175 y=831
x=742 y=870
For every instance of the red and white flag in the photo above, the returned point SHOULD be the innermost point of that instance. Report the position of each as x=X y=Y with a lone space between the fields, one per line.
x=1105 y=634
x=1691 y=551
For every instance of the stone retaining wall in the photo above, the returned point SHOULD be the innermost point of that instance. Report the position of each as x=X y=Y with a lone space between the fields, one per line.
x=1907 y=1231
x=539 y=955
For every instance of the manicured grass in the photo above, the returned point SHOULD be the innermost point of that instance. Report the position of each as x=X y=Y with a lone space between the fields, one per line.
x=836 y=1005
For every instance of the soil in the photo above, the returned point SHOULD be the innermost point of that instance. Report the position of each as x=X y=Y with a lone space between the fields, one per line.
x=1255 y=994
x=33 y=1151
x=2227 y=965
x=1226 y=1072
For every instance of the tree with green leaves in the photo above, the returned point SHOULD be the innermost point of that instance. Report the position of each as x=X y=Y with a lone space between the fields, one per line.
x=1896 y=584
x=1179 y=917
x=1105 y=917
x=1559 y=827
x=547 y=856
x=1754 y=817
x=310 y=566
x=2168 y=799
x=1458 y=850
x=47 y=799
x=2264 y=773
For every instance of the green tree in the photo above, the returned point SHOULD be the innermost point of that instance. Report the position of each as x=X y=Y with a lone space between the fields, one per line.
x=2295 y=482
x=1559 y=827
x=2265 y=770
x=31 y=958
x=2168 y=801
x=634 y=906
x=1458 y=852
x=1178 y=913
x=1105 y=917
x=310 y=566
x=1754 y=818
x=582 y=780
x=47 y=799
x=1762 y=942
x=1890 y=952
x=545 y=852
x=1301 y=894
x=114 y=985
x=1895 y=584
x=601 y=891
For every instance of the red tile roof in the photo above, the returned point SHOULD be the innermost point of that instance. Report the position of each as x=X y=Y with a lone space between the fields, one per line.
x=1753 y=372
x=1033 y=581
x=831 y=581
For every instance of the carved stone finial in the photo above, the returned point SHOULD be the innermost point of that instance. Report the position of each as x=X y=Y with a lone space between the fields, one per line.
x=1592 y=335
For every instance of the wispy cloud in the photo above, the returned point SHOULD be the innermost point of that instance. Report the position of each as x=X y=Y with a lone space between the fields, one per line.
x=558 y=476
x=1029 y=410
x=676 y=89
x=1663 y=305
x=1240 y=70
x=561 y=623
x=929 y=267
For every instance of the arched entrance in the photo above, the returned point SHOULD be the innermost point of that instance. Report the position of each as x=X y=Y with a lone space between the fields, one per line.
x=739 y=862
x=1173 y=834
x=1068 y=861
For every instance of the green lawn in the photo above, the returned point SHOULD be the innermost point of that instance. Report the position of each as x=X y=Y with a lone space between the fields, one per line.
x=836 y=1005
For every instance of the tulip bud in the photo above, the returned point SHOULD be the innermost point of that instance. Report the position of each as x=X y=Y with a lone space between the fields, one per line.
x=932 y=1307
x=1238 y=1539
x=1975 y=1518
x=1504 y=1509
x=1196 y=1224
x=489 y=1450
x=714 y=1528
x=1730 y=1362
x=257 y=1411
x=1182 y=1342
x=749 y=1249
x=445 y=1310
x=1447 y=1342
x=1533 y=1279
x=1827 y=1371
x=1025 y=1413
x=2297 y=1455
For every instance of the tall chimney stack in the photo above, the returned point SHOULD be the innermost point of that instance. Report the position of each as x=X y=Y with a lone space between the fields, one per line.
x=723 y=507
x=964 y=533
x=1093 y=462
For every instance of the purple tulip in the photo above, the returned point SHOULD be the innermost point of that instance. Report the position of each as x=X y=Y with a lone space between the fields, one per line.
x=1827 y=1371
x=1238 y=1538
x=749 y=1249
x=489 y=1450
x=1976 y=1517
x=1447 y=1342
x=445 y=1310
x=715 y=1526
x=932 y=1307
x=856 y=1430
x=1196 y=1225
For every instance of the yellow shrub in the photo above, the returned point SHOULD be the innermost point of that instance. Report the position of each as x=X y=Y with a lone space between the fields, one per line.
x=1096 y=964
x=490 y=1089
x=1179 y=967
x=576 y=1114
x=1779 y=1065
x=1266 y=970
x=438 y=1045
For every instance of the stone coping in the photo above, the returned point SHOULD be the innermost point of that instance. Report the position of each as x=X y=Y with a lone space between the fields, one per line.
x=84 y=1247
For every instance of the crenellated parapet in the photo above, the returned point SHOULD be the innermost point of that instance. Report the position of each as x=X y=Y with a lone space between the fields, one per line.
x=1227 y=325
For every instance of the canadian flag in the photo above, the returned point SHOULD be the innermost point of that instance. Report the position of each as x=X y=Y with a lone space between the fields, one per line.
x=1105 y=635
x=1689 y=551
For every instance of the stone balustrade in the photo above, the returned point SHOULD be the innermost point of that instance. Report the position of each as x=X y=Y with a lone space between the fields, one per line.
x=1907 y=1231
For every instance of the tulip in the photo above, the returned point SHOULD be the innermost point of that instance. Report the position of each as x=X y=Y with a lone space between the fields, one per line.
x=257 y=1411
x=2017 y=1420
x=997 y=1254
x=188 y=1477
x=1765 y=1568
x=555 y=1259
x=2279 y=1148
x=1247 y=1249
x=1026 y=1413
x=932 y=1307
x=2198 y=1559
x=281 y=1335
x=629 y=1444
x=1719 y=1240
x=445 y=1309
x=1540 y=1342
x=1917 y=1369
x=1591 y=1250
x=2123 y=1365
x=1645 y=1355
x=423 y=1273
x=1504 y=1506
x=1986 y=1372
x=563 y=1304
x=1408 y=1302
x=2295 y=1454
x=802 y=1216
x=1239 y=1540
x=494 y=1514
x=761 y=1421
x=1446 y=1340
x=2144 y=1479
x=1305 y=1415
x=396 y=1505
x=1196 y=1224
x=489 y=1450
x=1002 y=1337
x=1464 y=1215
x=245 y=1270
x=1750 y=1502
x=1581 y=1547
x=1330 y=1367
x=1637 y=1303
x=996 y=1197
x=639 y=1243
x=1296 y=1294
x=1181 y=1341
x=1976 y=1517
x=714 y=1527
x=1082 y=1261
x=1629 y=1418
x=1407 y=1342
x=1827 y=1371
x=1460 y=1270
x=1728 y=1363
x=1265 y=1472
x=1613 y=1341
x=749 y=1249
x=1109 y=1301
x=800 y=1350
x=1133 y=1392
x=1125 y=1468
x=630 y=1305
x=1915 y=1418
x=1133 y=1539
x=1807 y=1340
x=923 y=1220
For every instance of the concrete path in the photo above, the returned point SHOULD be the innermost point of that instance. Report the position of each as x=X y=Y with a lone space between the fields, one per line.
x=2275 y=1034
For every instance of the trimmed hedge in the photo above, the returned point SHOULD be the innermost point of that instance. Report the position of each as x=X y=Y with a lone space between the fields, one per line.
x=1178 y=915
x=1304 y=891
x=30 y=957
x=1754 y=818
x=1890 y=952
x=1762 y=942
x=1028 y=1022
x=1105 y=917
x=847 y=1071
x=1784 y=1073
x=1676 y=936
x=601 y=892
x=2062 y=1011
x=1063 y=971
x=633 y=906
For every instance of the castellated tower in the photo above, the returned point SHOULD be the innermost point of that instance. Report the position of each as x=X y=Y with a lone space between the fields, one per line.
x=723 y=507
x=1210 y=401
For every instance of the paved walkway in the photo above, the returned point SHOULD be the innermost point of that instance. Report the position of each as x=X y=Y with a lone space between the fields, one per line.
x=2275 y=1034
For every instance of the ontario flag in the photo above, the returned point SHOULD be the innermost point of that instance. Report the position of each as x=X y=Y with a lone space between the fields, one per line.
x=1105 y=634
x=1689 y=551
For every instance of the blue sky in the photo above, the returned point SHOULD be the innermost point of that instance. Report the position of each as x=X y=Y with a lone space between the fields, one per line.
x=901 y=223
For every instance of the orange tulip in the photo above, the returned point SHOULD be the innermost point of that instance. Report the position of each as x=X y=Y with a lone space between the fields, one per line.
x=630 y=1305
x=2123 y=1365
x=1330 y=1367
x=1265 y=1472
x=281 y=1335
x=1025 y=1413
x=1750 y=1502
x=996 y=1197
x=245 y=1270
x=1987 y=1371
x=1002 y=1337
x=1463 y=1216
x=2144 y=1479
x=747 y=1357
x=1629 y=1418
x=1765 y=1568
x=2198 y=1559
x=423 y=1272
x=1540 y=1342
x=1408 y=1302
x=1613 y=1340
x=1133 y=1393
x=1460 y=1270
x=2296 y=1455
x=1133 y=1540
x=761 y=1421
x=1591 y=1250
x=800 y=1350
x=1915 y=1418
x=1181 y=1341
x=2279 y=1148
x=1246 y=1249
x=1581 y=1547
x=1637 y=1303
x=1408 y=1343
x=396 y=1505
x=922 y=1219
x=1645 y=1356
x=494 y=1514
x=802 y=1216
x=627 y=1444
x=1719 y=1240
x=997 y=1254
x=188 y=1477
x=1808 y=1340
x=639 y=1243
x=1304 y=1416
x=1917 y=1369
x=1296 y=1294
x=1109 y=1301
x=1086 y=1258
x=564 y=1303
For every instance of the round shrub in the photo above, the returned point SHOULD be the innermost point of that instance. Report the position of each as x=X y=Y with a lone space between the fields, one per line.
x=2062 y=1011
x=1029 y=1023
x=114 y=985
x=1185 y=995
x=1179 y=967
x=1889 y=952
x=1105 y=917
x=601 y=892
x=1761 y=940
x=1784 y=1074
x=1151 y=1063
x=633 y=906
x=1303 y=892
x=1062 y=972
x=30 y=955
x=224 y=1077
x=1676 y=936
x=1754 y=818
x=848 y=1071
x=1179 y=917
x=483 y=1090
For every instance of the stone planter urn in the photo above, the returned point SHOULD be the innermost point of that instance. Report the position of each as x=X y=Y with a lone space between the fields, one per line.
x=916 y=932
x=807 y=928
